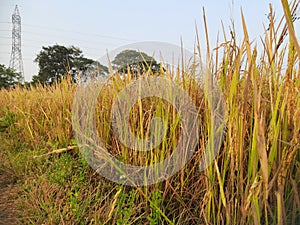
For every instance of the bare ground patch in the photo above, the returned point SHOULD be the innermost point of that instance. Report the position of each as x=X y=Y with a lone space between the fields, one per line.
x=8 y=196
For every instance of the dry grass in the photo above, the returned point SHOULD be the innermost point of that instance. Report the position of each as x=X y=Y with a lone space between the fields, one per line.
x=254 y=180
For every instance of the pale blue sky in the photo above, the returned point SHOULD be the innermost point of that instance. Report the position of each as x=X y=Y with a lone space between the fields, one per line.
x=95 y=26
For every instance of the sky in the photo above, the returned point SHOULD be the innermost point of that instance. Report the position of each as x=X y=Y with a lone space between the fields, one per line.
x=98 y=27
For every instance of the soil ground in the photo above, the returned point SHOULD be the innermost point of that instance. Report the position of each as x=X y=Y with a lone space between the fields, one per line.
x=8 y=194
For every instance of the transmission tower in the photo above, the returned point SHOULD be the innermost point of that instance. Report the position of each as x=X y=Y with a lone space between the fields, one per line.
x=16 y=61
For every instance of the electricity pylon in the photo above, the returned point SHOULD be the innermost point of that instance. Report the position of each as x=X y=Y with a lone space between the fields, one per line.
x=16 y=62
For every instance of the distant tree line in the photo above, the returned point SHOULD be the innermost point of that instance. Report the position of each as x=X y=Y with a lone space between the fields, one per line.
x=56 y=61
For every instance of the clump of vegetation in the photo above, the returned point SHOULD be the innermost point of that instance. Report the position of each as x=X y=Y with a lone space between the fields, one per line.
x=9 y=77
x=255 y=178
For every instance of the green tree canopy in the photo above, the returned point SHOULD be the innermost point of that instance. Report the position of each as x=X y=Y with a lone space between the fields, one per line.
x=8 y=77
x=136 y=61
x=56 y=61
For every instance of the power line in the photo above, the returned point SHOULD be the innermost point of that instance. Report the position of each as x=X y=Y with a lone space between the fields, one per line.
x=59 y=36
x=77 y=32
x=82 y=33
x=40 y=41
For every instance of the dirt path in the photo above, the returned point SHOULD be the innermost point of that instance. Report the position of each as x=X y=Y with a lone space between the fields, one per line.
x=8 y=194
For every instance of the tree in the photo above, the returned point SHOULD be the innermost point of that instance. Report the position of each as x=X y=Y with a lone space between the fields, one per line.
x=88 y=68
x=8 y=77
x=136 y=62
x=56 y=61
